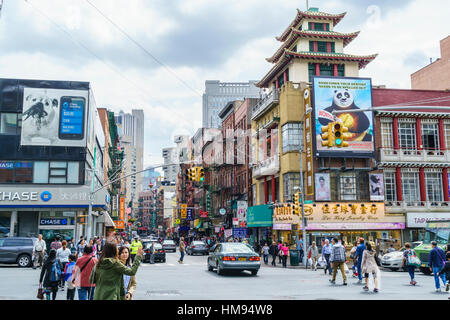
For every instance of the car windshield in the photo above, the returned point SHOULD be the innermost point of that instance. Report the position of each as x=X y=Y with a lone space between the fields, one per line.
x=168 y=242
x=198 y=243
x=236 y=248
x=156 y=245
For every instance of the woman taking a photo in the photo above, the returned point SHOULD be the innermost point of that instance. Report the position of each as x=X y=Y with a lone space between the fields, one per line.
x=108 y=273
x=129 y=282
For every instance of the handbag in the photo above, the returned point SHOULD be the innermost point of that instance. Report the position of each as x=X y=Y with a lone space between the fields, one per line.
x=40 y=293
x=413 y=260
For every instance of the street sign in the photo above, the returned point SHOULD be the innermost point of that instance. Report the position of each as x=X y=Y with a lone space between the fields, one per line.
x=177 y=221
x=183 y=210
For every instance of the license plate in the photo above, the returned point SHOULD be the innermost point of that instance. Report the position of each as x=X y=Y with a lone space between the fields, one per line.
x=242 y=259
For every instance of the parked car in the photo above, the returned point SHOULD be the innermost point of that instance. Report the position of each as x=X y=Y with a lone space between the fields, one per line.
x=160 y=253
x=198 y=247
x=233 y=256
x=17 y=250
x=169 y=245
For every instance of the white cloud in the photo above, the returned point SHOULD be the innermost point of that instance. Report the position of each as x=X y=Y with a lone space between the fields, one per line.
x=403 y=36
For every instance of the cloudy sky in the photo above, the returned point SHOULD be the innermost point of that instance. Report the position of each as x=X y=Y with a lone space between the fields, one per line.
x=190 y=41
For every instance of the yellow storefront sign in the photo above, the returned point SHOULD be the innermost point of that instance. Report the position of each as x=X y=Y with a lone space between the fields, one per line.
x=345 y=211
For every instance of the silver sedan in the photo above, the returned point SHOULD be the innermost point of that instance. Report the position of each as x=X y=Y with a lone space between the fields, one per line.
x=233 y=256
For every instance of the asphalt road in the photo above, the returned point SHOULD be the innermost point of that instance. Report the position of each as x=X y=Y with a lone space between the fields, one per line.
x=192 y=280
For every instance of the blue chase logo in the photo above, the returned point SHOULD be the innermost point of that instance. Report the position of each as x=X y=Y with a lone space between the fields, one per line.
x=46 y=196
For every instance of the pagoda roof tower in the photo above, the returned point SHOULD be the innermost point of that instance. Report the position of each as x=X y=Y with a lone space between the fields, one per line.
x=310 y=39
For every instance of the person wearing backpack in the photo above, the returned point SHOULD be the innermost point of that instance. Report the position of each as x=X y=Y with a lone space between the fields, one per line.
x=82 y=271
x=337 y=258
x=68 y=270
x=437 y=261
x=50 y=275
x=446 y=270
x=410 y=268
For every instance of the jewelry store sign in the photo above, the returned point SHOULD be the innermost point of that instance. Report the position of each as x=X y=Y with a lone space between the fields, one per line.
x=345 y=212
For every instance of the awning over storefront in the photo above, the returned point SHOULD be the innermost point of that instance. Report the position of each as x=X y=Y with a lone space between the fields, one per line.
x=259 y=216
x=106 y=219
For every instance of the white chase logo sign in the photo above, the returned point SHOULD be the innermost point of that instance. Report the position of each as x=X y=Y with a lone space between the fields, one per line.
x=18 y=196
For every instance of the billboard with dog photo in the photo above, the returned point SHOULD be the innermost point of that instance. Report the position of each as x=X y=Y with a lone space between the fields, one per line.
x=54 y=117
x=344 y=94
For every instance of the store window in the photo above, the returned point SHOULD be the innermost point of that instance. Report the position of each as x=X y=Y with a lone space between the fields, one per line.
x=410 y=186
x=390 y=192
x=16 y=172
x=292 y=136
x=433 y=182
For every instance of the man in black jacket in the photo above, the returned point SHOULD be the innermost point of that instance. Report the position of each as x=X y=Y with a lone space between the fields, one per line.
x=273 y=251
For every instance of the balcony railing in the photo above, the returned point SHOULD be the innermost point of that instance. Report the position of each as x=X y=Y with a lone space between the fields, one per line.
x=267 y=167
x=264 y=103
x=408 y=155
x=400 y=206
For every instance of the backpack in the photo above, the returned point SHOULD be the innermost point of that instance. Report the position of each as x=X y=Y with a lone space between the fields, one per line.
x=55 y=275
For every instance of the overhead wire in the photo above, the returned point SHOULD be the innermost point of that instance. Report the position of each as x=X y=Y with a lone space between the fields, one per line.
x=110 y=66
x=158 y=61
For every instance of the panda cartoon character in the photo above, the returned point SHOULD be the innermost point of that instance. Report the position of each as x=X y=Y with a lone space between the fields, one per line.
x=39 y=120
x=356 y=122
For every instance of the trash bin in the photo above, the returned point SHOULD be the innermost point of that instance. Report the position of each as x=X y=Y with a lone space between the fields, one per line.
x=294 y=257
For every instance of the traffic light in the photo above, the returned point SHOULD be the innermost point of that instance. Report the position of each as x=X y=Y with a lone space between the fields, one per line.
x=192 y=174
x=200 y=174
x=327 y=135
x=340 y=135
x=296 y=203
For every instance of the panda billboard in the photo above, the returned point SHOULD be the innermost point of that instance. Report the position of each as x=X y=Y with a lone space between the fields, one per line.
x=54 y=117
x=344 y=94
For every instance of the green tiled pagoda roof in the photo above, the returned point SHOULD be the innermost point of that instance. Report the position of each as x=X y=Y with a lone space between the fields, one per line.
x=314 y=57
x=295 y=34
x=311 y=15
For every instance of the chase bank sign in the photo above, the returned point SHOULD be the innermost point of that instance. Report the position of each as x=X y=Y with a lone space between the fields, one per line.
x=18 y=196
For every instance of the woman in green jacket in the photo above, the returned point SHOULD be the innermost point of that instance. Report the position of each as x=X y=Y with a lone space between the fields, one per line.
x=108 y=273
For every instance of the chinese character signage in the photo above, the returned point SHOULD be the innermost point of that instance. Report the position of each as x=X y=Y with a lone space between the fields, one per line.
x=189 y=216
x=122 y=209
x=338 y=212
x=308 y=143
x=344 y=94
x=242 y=213
x=183 y=211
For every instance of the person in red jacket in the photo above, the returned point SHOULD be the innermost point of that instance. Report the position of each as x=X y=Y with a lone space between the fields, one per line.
x=81 y=274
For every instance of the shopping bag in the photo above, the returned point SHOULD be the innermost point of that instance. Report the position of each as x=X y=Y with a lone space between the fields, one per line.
x=40 y=293
x=346 y=268
x=322 y=262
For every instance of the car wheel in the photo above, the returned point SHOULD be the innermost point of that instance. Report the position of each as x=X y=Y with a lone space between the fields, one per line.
x=393 y=269
x=219 y=270
x=254 y=272
x=210 y=268
x=164 y=261
x=425 y=270
x=24 y=261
